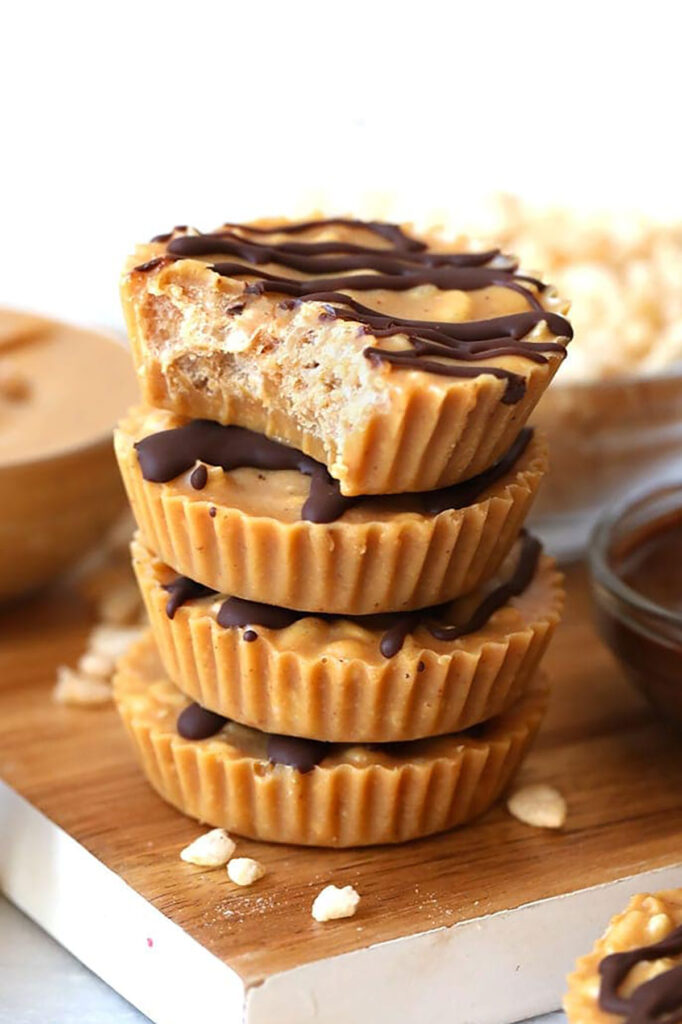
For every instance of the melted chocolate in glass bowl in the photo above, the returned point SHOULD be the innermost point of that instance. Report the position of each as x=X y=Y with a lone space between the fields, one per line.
x=648 y=560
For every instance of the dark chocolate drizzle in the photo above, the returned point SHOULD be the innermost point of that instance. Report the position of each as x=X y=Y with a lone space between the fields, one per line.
x=407 y=263
x=181 y=590
x=167 y=454
x=297 y=752
x=394 y=638
x=199 y=477
x=235 y=612
x=197 y=723
x=467 y=492
x=657 y=999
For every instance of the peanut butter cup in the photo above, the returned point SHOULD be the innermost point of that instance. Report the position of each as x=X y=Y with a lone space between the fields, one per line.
x=634 y=972
x=380 y=553
x=319 y=794
x=398 y=362
x=379 y=678
x=330 y=473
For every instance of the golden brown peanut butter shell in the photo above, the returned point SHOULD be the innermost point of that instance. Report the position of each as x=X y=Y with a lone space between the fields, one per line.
x=648 y=919
x=206 y=349
x=329 y=680
x=357 y=796
x=242 y=534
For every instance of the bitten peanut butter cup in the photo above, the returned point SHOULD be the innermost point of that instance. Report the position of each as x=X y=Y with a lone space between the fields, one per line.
x=242 y=530
x=634 y=972
x=382 y=678
x=298 y=791
x=397 y=362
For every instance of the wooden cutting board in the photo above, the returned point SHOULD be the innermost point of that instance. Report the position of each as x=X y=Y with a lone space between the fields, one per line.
x=478 y=925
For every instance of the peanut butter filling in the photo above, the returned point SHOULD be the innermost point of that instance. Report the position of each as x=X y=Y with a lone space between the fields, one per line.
x=60 y=386
x=283 y=494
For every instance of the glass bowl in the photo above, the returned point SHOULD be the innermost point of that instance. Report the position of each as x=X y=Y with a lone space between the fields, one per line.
x=606 y=438
x=645 y=636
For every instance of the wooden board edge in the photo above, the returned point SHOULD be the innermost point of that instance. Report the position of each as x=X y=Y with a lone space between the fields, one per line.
x=497 y=969
x=107 y=925
x=491 y=970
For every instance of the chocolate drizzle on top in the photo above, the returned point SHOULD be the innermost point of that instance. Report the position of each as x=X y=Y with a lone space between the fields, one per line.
x=435 y=621
x=197 y=723
x=181 y=590
x=298 y=752
x=334 y=267
x=467 y=492
x=301 y=754
x=655 y=1000
x=199 y=477
x=235 y=612
x=165 y=455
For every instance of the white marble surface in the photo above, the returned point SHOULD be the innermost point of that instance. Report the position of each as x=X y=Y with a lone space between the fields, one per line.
x=40 y=981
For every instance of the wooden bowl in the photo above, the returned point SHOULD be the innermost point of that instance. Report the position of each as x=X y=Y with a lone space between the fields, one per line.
x=52 y=511
x=57 y=499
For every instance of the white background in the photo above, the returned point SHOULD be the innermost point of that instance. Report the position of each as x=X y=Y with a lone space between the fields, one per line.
x=121 y=119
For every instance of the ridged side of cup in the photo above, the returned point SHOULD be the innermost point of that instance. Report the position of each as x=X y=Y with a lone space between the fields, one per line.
x=351 y=568
x=326 y=697
x=339 y=805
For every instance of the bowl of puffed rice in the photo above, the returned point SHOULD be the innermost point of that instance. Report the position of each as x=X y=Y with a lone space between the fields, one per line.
x=614 y=411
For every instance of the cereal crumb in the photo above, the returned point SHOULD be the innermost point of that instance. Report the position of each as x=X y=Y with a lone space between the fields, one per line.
x=212 y=850
x=541 y=806
x=244 y=870
x=658 y=927
x=89 y=684
x=333 y=903
x=94 y=664
x=80 y=690
x=119 y=606
x=112 y=641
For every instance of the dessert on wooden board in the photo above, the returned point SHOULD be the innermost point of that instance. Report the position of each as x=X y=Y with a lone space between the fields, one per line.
x=634 y=972
x=330 y=475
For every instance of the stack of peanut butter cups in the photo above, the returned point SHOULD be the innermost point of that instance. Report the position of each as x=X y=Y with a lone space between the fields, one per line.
x=330 y=471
